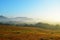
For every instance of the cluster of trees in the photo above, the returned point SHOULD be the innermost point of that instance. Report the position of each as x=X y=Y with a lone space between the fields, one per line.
x=40 y=25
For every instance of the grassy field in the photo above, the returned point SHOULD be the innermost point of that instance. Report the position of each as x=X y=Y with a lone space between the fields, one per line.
x=8 y=32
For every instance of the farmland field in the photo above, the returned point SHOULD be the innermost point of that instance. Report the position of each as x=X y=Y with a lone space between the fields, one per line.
x=8 y=32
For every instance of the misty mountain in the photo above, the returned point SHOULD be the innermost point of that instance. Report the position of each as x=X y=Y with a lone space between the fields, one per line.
x=2 y=17
x=16 y=20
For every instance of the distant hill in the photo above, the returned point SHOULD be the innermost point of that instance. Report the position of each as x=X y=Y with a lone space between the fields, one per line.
x=16 y=20
x=2 y=17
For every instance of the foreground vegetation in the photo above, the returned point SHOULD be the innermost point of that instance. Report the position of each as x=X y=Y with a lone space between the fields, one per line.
x=9 y=32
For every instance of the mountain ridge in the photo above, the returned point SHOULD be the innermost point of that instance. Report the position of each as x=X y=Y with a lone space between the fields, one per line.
x=16 y=19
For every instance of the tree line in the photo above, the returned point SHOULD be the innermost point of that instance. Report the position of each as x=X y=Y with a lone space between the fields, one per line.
x=39 y=24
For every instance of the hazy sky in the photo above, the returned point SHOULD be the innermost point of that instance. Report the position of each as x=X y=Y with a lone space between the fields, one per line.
x=43 y=9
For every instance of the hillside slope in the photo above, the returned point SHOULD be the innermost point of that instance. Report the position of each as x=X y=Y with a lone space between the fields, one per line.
x=26 y=33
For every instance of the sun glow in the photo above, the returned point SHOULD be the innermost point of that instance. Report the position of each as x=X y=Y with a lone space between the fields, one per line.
x=52 y=18
x=54 y=15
